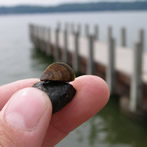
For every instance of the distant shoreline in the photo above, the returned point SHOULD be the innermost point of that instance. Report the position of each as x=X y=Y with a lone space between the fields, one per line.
x=75 y=7
x=78 y=12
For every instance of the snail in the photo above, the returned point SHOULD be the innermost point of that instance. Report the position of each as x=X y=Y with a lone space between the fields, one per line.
x=54 y=81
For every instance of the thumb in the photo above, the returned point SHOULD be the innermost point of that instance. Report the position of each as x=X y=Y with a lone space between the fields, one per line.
x=25 y=118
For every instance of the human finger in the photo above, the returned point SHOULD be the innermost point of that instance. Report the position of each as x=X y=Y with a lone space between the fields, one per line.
x=92 y=95
x=25 y=118
x=6 y=91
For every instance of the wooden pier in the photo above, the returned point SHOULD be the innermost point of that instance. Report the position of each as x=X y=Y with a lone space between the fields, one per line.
x=124 y=69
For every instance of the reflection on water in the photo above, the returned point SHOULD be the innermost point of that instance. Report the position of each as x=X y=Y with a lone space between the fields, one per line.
x=109 y=128
x=121 y=130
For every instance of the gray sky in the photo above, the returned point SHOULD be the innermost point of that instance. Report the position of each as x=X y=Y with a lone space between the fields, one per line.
x=45 y=2
x=42 y=2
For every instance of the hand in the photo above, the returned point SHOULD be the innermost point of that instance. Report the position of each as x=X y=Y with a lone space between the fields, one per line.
x=26 y=118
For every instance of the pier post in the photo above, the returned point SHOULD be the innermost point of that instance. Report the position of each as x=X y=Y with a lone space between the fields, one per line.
x=37 y=31
x=96 y=32
x=31 y=31
x=41 y=38
x=59 y=25
x=90 y=64
x=123 y=37
x=65 y=52
x=136 y=81
x=38 y=36
x=48 y=46
x=79 y=28
x=72 y=28
x=66 y=27
x=76 y=54
x=57 y=43
x=141 y=38
x=34 y=30
x=44 y=39
x=35 y=37
x=110 y=74
x=87 y=30
x=41 y=32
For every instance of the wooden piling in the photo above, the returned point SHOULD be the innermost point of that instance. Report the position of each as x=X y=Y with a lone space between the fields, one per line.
x=141 y=38
x=79 y=28
x=59 y=25
x=87 y=30
x=65 y=52
x=76 y=54
x=90 y=64
x=136 y=81
x=41 y=32
x=72 y=28
x=48 y=42
x=66 y=27
x=40 y=37
x=43 y=38
x=136 y=85
x=110 y=75
x=56 y=54
x=31 y=31
x=33 y=34
x=96 y=32
x=37 y=32
x=123 y=37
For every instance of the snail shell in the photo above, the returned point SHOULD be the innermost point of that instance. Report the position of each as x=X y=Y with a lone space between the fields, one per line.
x=58 y=72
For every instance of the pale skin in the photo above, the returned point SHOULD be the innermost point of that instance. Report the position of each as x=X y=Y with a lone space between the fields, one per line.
x=49 y=129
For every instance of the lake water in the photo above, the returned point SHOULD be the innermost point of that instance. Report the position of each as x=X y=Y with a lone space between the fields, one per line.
x=109 y=128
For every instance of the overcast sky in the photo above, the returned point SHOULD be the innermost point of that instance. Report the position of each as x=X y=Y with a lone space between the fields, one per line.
x=45 y=2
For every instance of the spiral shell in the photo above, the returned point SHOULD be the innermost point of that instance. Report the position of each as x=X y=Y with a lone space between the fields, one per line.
x=58 y=72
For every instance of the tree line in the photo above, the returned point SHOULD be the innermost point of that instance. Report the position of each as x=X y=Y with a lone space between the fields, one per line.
x=74 y=7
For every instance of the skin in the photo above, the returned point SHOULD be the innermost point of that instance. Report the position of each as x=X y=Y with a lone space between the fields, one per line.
x=92 y=95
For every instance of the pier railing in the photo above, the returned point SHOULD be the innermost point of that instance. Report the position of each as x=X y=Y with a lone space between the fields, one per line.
x=124 y=69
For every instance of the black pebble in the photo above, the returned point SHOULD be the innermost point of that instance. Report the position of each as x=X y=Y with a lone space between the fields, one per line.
x=60 y=93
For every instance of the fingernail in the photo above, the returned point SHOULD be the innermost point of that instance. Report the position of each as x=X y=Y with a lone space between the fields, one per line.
x=26 y=108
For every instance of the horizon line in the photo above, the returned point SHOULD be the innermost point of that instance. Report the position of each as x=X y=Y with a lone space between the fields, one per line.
x=62 y=3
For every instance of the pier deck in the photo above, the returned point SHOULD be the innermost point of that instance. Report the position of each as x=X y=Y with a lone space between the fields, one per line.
x=124 y=56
